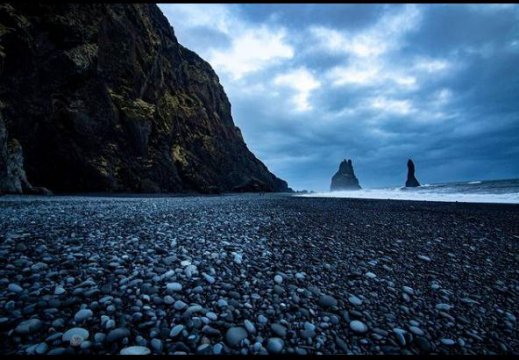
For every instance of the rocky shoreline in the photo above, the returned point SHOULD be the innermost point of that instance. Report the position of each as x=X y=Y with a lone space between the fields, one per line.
x=250 y=274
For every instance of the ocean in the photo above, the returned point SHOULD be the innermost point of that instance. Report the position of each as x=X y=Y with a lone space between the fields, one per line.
x=485 y=191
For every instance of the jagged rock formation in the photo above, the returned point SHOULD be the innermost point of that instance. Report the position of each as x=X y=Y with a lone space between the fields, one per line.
x=13 y=179
x=102 y=98
x=344 y=178
x=411 y=180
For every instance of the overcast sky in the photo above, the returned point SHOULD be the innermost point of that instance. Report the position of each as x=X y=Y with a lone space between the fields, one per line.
x=311 y=85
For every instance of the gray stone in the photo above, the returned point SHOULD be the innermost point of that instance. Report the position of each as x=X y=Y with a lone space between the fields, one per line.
x=358 y=326
x=327 y=301
x=117 y=334
x=135 y=350
x=77 y=331
x=83 y=315
x=28 y=326
x=235 y=335
x=275 y=345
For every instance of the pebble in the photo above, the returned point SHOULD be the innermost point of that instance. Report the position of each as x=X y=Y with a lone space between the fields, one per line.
x=180 y=305
x=275 y=345
x=278 y=279
x=443 y=307
x=249 y=326
x=77 y=331
x=15 y=288
x=327 y=301
x=156 y=345
x=83 y=315
x=416 y=330
x=176 y=330
x=135 y=350
x=235 y=335
x=358 y=326
x=174 y=286
x=447 y=342
x=278 y=330
x=371 y=275
x=408 y=290
x=355 y=300
x=117 y=334
x=28 y=326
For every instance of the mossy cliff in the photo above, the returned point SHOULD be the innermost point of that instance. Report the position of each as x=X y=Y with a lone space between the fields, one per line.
x=103 y=98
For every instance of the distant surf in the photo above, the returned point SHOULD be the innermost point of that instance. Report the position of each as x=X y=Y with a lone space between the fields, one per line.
x=489 y=191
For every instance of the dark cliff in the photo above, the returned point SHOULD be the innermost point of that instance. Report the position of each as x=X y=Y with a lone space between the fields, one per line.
x=344 y=178
x=411 y=179
x=102 y=98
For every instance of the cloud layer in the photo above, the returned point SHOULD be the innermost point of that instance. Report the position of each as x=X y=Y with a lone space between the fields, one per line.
x=311 y=85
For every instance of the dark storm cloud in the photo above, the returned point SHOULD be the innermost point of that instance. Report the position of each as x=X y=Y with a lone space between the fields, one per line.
x=313 y=84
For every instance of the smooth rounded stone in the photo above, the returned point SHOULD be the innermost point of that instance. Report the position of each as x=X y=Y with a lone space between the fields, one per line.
x=211 y=316
x=14 y=288
x=355 y=300
x=235 y=335
x=278 y=279
x=358 y=326
x=28 y=326
x=168 y=300
x=423 y=344
x=59 y=290
x=300 y=276
x=190 y=270
x=135 y=350
x=416 y=330
x=424 y=258
x=85 y=345
x=262 y=319
x=222 y=303
x=83 y=315
x=279 y=330
x=57 y=351
x=327 y=301
x=77 y=331
x=110 y=324
x=448 y=342
x=237 y=258
x=180 y=305
x=370 y=275
x=156 y=345
x=399 y=333
x=117 y=334
x=217 y=349
x=99 y=337
x=275 y=345
x=174 y=286
x=209 y=278
x=177 y=329
x=443 y=307
x=408 y=290
x=193 y=309
x=249 y=325
x=42 y=348
x=203 y=349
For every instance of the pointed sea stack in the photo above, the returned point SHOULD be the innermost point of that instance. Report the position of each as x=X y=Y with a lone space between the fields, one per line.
x=345 y=179
x=411 y=180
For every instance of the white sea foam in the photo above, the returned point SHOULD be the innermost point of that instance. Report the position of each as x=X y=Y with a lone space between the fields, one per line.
x=422 y=195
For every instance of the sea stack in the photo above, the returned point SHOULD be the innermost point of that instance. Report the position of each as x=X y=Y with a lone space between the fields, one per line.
x=345 y=178
x=411 y=180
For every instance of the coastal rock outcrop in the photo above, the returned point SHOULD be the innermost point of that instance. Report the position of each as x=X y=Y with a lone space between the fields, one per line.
x=344 y=178
x=411 y=179
x=103 y=98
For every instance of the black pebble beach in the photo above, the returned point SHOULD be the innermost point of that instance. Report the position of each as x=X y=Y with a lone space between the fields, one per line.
x=251 y=274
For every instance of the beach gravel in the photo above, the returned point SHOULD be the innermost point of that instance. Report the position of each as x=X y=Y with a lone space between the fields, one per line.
x=257 y=274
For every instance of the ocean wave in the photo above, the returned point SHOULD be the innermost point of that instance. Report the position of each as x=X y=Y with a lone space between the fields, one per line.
x=509 y=198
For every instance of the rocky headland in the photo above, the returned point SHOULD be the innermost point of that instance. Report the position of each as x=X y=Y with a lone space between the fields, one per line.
x=103 y=98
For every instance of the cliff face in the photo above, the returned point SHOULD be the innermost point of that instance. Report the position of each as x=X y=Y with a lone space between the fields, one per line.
x=102 y=97
x=344 y=178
